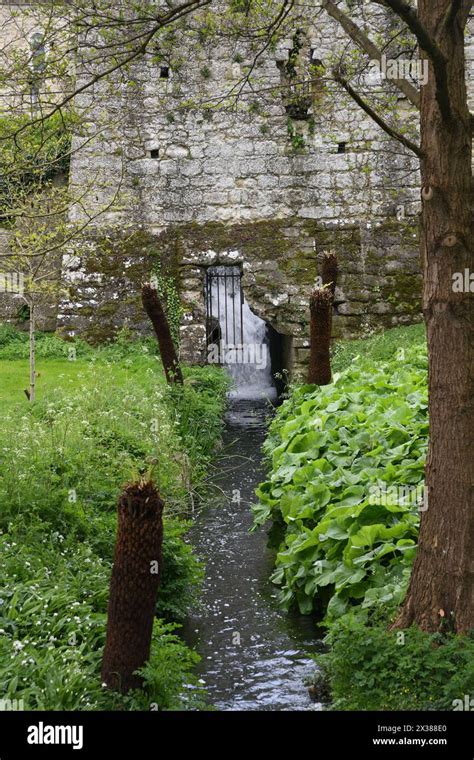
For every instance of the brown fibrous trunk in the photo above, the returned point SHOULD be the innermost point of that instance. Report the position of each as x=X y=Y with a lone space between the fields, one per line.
x=329 y=271
x=133 y=586
x=159 y=320
x=321 y=306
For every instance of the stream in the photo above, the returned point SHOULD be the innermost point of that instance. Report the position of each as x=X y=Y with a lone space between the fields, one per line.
x=254 y=655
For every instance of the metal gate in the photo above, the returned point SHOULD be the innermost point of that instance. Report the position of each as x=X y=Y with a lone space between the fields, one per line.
x=224 y=307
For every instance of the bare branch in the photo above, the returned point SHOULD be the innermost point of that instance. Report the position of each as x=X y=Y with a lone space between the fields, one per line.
x=364 y=41
x=409 y=15
x=376 y=117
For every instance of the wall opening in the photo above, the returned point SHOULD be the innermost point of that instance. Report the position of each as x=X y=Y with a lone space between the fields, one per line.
x=236 y=337
x=281 y=355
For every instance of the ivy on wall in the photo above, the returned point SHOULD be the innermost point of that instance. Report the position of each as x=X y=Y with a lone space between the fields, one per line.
x=169 y=296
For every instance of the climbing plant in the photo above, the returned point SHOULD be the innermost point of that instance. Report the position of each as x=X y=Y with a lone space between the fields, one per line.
x=167 y=291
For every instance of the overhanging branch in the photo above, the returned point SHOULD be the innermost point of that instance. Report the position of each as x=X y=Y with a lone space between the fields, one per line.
x=376 y=117
x=364 y=41
x=409 y=15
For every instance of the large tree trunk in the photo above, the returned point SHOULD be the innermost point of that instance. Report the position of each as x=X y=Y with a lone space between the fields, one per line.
x=442 y=583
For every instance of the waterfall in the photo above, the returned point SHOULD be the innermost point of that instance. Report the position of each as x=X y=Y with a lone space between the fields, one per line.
x=238 y=339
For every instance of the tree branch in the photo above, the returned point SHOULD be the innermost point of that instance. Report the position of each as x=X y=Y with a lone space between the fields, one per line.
x=458 y=11
x=376 y=117
x=364 y=41
x=429 y=44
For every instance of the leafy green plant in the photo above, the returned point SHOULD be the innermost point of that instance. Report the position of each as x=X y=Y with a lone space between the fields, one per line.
x=371 y=668
x=169 y=296
x=52 y=624
x=105 y=419
x=347 y=466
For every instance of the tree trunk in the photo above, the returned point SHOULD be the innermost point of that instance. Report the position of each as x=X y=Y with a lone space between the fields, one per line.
x=155 y=311
x=321 y=303
x=329 y=271
x=442 y=582
x=133 y=586
x=32 y=394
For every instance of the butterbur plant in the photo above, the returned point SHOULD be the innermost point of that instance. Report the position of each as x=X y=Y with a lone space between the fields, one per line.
x=342 y=547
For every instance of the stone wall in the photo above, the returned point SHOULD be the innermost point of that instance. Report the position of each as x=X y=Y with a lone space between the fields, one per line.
x=260 y=182
x=182 y=173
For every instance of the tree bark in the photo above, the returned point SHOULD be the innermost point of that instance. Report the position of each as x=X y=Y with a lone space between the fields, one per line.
x=321 y=305
x=329 y=271
x=32 y=394
x=441 y=589
x=133 y=586
x=155 y=311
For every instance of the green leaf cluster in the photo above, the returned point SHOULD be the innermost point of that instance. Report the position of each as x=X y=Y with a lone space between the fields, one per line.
x=347 y=467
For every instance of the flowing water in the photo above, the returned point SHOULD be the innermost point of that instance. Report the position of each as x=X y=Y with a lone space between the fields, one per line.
x=254 y=655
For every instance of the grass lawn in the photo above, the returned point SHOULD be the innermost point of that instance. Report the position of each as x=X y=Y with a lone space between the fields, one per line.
x=54 y=374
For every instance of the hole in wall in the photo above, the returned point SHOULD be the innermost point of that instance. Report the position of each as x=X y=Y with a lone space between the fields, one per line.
x=341 y=147
x=252 y=351
x=155 y=153
x=281 y=349
x=164 y=72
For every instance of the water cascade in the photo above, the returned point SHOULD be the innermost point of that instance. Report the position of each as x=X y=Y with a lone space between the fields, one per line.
x=237 y=338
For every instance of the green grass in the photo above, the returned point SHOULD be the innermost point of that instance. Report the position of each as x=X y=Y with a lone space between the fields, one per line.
x=99 y=421
x=57 y=374
x=379 y=347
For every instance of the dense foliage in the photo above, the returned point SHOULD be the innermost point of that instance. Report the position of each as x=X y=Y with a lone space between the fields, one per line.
x=33 y=157
x=344 y=493
x=345 y=486
x=369 y=667
x=99 y=421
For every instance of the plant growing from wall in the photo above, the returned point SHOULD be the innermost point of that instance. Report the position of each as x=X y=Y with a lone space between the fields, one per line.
x=167 y=291
x=297 y=140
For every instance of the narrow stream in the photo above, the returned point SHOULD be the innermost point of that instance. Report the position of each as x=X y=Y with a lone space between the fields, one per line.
x=254 y=655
